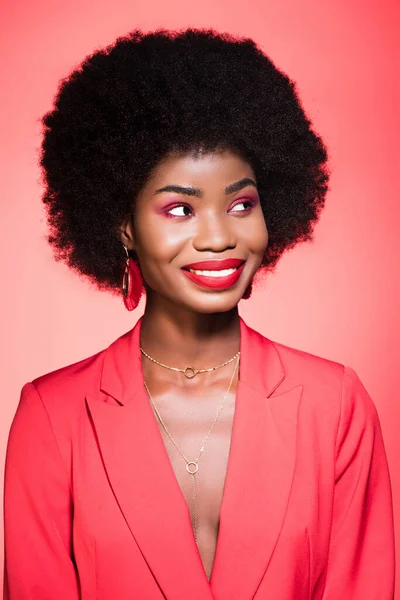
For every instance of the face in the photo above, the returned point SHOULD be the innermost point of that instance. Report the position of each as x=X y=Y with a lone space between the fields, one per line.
x=192 y=209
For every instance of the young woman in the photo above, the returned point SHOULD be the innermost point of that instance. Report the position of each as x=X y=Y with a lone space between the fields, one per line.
x=193 y=458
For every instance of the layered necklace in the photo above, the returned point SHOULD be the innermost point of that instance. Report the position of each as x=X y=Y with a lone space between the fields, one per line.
x=192 y=466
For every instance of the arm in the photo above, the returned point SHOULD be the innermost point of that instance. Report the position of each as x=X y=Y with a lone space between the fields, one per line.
x=361 y=556
x=37 y=509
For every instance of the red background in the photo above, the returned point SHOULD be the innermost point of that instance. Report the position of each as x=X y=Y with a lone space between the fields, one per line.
x=337 y=297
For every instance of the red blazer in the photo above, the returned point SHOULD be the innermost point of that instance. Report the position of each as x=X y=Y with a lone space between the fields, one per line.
x=93 y=509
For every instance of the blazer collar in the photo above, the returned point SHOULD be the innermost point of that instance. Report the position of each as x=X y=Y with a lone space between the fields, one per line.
x=122 y=366
x=258 y=479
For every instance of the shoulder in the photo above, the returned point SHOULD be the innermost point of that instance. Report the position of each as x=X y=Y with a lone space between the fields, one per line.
x=72 y=377
x=304 y=368
x=62 y=392
x=328 y=384
x=56 y=401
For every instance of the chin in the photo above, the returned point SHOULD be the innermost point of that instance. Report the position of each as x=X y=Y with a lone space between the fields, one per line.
x=216 y=302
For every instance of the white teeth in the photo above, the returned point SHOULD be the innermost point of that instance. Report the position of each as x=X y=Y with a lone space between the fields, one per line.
x=222 y=273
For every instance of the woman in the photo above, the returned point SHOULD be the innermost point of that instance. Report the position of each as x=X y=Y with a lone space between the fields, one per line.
x=193 y=458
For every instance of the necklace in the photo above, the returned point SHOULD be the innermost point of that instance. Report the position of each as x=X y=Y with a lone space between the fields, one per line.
x=192 y=465
x=190 y=371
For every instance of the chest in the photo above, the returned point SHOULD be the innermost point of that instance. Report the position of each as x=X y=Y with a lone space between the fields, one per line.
x=132 y=490
x=188 y=424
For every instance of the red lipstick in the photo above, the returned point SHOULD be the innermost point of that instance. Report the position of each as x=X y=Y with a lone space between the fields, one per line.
x=215 y=282
x=215 y=265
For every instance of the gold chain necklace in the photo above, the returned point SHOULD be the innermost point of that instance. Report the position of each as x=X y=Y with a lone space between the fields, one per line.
x=190 y=371
x=192 y=465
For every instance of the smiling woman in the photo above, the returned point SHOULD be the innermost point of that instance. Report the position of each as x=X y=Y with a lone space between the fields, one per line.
x=218 y=217
x=151 y=96
x=193 y=458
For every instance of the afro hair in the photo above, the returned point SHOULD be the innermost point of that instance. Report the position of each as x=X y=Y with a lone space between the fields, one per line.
x=149 y=94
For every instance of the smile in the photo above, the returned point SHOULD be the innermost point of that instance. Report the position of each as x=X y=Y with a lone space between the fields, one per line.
x=217 y=279
x=222 y=273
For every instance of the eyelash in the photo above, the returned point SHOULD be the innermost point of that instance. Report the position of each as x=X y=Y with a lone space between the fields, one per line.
x=252 y=203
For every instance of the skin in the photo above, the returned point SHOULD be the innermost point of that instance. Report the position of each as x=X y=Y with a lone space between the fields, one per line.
x=185 y=324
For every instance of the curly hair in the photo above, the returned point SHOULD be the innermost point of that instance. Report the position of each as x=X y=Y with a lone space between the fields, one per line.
x=146 y=95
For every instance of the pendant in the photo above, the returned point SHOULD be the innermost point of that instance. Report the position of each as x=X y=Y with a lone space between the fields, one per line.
x=190 y=469
x=189 y=372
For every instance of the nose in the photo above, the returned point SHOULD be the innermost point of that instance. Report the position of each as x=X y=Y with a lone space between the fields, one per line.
x=214 y=233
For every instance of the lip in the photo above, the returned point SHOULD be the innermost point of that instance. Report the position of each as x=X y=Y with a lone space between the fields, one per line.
x=215 y=265
x=216 y=283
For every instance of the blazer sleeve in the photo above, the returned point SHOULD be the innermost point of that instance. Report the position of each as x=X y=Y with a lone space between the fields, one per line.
x=361 y=555
x=37 y=509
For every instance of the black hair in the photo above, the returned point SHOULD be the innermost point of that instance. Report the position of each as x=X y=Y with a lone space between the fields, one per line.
x=149 y=94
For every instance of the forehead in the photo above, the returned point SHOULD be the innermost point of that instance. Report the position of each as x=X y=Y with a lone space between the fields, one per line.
x=208 y=168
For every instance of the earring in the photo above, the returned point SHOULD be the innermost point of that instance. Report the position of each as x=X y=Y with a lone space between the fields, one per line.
x=132 y=283
x=247 y=292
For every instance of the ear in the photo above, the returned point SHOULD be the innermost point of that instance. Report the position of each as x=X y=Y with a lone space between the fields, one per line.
x=126 y=234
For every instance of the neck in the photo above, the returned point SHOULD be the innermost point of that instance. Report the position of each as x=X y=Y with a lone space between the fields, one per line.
x=183 y=338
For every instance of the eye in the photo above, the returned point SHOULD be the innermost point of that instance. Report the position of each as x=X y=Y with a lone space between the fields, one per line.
x=178 y=207
x=250 y=204
x=247 y=202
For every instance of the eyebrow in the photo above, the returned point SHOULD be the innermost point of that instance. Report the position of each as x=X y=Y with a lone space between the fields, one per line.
x=192 y=191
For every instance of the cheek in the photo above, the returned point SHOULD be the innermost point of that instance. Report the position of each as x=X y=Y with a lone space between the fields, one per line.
x=158 y=240
x=256 y=235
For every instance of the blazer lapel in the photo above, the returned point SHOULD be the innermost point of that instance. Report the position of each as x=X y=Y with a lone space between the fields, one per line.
x=260 y=470
x=141 y=475
x=258 y=480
